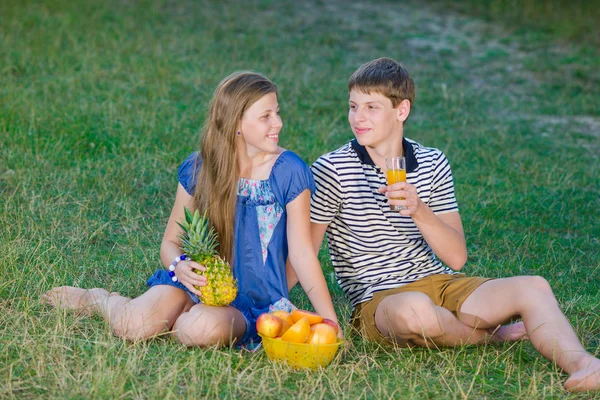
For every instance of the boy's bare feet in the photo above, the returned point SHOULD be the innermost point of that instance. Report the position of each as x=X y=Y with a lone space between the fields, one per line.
x=83 y=301
x=586 y=378
x=509 y=333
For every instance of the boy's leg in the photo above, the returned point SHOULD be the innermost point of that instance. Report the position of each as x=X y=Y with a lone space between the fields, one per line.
x=204 y=326
x=411 y=318
x=153 y=312
x=531 y=298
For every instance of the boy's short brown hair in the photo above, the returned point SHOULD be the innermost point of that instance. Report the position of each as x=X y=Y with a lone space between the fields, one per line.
x=384 y=76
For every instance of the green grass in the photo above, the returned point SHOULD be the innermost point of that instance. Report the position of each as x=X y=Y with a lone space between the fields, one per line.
x=100 y=101
x=574 y=20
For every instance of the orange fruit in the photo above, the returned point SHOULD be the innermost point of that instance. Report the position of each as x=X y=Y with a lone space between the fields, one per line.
x=297 y=333
x=312 y=317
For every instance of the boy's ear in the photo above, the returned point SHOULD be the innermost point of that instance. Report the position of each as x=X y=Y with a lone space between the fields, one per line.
x=403 y=110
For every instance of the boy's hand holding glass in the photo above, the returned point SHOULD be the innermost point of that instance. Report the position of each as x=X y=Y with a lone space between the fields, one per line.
x=403 y=192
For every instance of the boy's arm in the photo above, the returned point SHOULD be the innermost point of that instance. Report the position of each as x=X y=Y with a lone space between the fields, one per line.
x=317 y=232
x=442 y=232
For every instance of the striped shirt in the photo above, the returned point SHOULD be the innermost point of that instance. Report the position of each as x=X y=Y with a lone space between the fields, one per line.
x=373 y=248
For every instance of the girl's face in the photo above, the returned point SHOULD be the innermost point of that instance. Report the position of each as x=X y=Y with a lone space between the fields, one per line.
x=261 y=124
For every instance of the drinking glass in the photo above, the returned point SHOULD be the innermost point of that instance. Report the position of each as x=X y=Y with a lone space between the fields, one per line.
x=396 y=172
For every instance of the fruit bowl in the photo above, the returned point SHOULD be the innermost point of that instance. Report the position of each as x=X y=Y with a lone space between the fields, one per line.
x=300 y=355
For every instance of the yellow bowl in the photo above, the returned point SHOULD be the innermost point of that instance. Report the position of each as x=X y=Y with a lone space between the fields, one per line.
x=300 y=355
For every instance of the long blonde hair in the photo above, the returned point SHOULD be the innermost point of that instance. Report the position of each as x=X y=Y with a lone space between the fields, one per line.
x=216 y=189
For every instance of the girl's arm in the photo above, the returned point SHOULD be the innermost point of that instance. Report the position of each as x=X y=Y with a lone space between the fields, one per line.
x=290 y=275
x=303 y=256
x=169 y=248
x=317 y=232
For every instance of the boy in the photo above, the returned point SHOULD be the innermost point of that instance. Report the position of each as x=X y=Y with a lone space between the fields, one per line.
x=385 y=260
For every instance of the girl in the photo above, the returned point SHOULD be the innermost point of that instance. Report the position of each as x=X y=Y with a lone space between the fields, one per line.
x=257 y=196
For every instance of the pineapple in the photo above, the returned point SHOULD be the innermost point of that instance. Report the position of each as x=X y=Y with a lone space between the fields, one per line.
x=199 y=241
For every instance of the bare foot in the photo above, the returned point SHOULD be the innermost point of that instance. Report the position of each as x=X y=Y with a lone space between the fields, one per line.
x=586 y=378
x=509 y=333
x=83 y=301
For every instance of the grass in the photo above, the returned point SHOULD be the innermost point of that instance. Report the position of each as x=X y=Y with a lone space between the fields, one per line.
x=557 y=19
x=100 y=101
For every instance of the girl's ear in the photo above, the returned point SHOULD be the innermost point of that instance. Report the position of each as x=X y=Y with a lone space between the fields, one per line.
x=403 y=110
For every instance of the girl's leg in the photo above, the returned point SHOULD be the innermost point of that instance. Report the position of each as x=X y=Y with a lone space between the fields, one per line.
x=152 y=313
x=209 y=326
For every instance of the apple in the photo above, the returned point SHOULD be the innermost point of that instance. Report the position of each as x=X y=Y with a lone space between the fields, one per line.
x=286 y=318
x=331 y=324
x=268 y=325
x=321 y=334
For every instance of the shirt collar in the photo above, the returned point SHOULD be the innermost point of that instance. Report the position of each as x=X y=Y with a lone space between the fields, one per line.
x=365 y=158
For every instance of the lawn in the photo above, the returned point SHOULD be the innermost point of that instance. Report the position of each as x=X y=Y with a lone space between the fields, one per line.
x=101 y=100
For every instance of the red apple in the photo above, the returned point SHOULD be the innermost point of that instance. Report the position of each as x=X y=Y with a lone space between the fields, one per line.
x=332 y=324
x=268 y=325
x=321 y=334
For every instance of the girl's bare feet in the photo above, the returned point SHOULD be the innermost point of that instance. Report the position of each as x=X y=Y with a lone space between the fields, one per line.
x=586 y=378
x=83 y=301
x=509 y=333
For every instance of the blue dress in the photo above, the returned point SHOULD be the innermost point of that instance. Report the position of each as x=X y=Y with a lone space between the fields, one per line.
x=260 y=235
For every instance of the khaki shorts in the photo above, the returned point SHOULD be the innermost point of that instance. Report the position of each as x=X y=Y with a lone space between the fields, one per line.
x=446 y=290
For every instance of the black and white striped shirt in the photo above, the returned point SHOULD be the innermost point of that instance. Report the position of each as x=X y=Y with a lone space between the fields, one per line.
x=373 y=248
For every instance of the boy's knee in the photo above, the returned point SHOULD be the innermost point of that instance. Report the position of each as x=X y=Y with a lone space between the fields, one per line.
x=541 y=284
x=536 y=284
x=533 y=289
x=420 y=318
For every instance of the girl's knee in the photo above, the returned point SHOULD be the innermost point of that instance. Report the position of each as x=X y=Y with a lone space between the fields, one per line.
x=194 y=330
x=137 y=327
x=132 y=322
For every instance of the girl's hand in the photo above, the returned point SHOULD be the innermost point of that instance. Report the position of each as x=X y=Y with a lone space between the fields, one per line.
x=184 y=271
x=402 y=190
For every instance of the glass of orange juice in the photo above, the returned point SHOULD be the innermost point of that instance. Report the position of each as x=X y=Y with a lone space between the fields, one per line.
x=396 y=172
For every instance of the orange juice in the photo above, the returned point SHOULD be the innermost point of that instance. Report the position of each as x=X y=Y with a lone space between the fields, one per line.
x=395 y=176
x=396 y=172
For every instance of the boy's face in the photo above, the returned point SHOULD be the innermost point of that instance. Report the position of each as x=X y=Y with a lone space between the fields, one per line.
x=373 y=119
